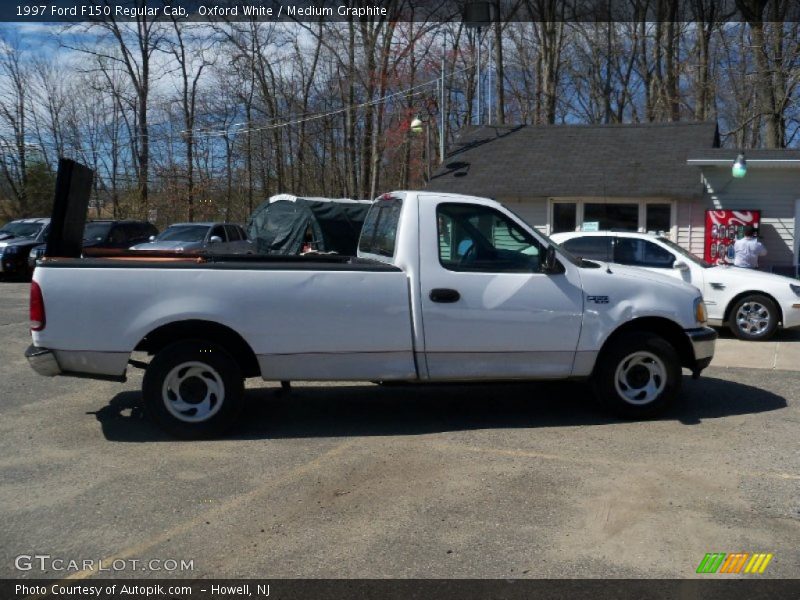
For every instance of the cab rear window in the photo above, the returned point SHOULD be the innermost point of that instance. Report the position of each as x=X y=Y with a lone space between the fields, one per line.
x=379 y=231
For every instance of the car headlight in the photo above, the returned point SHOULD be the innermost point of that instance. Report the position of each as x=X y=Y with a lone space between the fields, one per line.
x=12 y=250
x=700 y=313
x=795 y=289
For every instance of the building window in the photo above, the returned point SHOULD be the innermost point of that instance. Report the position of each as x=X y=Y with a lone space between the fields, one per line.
x=658 y=218
x=564 y=216
x=619 y=217
x=639 y=215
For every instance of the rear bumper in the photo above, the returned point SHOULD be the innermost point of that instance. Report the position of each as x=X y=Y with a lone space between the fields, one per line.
x=703 y=341
x=89 y=365
x=43 y=361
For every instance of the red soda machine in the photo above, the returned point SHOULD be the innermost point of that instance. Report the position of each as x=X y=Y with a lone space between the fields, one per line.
x=723 y=228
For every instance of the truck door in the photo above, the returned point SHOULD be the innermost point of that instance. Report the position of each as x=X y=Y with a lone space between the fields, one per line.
x=488 y=308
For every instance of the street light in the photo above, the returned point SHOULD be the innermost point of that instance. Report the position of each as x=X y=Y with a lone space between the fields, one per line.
x=416 y=127
x=739 y=168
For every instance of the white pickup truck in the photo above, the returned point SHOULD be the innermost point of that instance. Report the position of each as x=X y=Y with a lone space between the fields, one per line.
x=444 y=288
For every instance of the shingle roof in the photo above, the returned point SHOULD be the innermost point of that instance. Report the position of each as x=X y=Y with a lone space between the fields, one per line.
x=523 y=161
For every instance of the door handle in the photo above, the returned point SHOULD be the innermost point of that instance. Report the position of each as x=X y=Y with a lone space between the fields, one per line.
x=444 y=295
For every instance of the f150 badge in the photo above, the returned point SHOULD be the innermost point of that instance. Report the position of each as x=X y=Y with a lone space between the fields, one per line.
x=597 y=299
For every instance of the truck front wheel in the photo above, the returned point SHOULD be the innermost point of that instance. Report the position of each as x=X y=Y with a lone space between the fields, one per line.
x=638 y=375
x=193 y=389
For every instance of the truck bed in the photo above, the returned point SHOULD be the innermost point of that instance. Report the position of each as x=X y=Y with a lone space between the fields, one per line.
x=174 y=260
x=323 y=316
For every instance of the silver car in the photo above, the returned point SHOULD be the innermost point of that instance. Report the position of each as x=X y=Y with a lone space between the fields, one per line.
x=210 y=238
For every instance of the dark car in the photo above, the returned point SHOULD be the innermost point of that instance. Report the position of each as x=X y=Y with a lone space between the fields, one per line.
x=211 y=238
x=16 y=240
x=107 y=234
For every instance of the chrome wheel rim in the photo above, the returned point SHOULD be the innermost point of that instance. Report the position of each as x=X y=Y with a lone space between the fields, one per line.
x=193 y=392
x=640 y=378
x=753 y=318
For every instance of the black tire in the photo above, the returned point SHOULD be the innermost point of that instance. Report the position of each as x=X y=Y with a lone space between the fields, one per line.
x=635 y=356
x=757 y=328
x=165 y=403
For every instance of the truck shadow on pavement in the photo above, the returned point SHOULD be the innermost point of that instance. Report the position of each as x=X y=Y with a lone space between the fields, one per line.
x=367 y=410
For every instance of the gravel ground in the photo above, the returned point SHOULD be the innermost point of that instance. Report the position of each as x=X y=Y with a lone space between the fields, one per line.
x=356 y=480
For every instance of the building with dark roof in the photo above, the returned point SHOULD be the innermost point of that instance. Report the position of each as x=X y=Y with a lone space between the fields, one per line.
x=659 y=177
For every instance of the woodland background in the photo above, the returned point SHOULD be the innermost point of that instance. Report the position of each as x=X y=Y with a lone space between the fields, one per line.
x=196 y=121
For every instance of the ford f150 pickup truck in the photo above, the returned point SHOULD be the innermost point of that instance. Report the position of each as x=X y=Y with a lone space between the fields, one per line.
x=444 y=288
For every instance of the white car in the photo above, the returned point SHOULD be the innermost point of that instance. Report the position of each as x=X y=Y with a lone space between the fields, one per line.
x=752 y=303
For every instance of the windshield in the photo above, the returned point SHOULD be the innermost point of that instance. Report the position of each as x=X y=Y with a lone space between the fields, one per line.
x=21 y=229
x=184 y=233
x=684 y=253
x=96 y=232
x=563 y=251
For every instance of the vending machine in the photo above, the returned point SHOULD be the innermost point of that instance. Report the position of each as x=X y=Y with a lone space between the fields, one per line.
x=723 y=228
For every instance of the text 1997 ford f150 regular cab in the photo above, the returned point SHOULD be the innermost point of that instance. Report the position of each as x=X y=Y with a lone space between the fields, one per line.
x=445 y=288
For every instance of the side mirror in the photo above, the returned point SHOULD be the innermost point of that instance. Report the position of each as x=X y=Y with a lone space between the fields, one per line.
x=551 y=264
x=215 y=239
x=680 y=265
x=152 y=238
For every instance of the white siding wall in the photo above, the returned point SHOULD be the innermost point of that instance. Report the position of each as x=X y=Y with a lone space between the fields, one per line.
x=691 y=226
x=771 y=190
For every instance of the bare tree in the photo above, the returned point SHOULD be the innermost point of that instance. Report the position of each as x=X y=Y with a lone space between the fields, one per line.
x=191 y=52
x=14 y=99
x=135 y=42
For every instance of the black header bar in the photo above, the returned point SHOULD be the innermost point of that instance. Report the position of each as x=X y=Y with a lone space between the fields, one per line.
x=432 y=11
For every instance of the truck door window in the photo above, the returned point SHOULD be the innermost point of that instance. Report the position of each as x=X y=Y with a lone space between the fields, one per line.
x=479 y=238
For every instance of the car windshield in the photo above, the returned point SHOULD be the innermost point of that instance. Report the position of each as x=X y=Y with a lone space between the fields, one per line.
x=184 y=233
x=22 y=229
x=684 y=253
x=96 y=232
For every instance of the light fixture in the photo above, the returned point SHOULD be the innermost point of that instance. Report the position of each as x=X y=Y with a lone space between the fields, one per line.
x=416 y=125
x=739 y=168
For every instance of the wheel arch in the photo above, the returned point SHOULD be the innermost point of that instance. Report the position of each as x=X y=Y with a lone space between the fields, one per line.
x=209 y=331
x=667 y=329
x=732 y=302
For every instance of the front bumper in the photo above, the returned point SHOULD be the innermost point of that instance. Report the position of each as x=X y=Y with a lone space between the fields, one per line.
x=43 y=361
x=791 y=313
x=13 y=264
x=703 y=340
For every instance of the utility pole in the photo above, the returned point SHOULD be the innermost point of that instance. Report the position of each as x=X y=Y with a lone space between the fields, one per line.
x=479 y=82
x=477 y=15
x=489 y=83
x=442 y=104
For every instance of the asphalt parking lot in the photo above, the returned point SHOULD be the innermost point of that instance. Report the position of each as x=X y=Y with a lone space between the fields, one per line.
x=357 y=480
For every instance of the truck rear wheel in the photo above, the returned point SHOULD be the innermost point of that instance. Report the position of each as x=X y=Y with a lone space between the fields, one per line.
x=193 y=389
x=638 y=375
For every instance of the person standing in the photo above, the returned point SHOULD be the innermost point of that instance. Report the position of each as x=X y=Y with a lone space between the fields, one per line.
x=748 y=249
